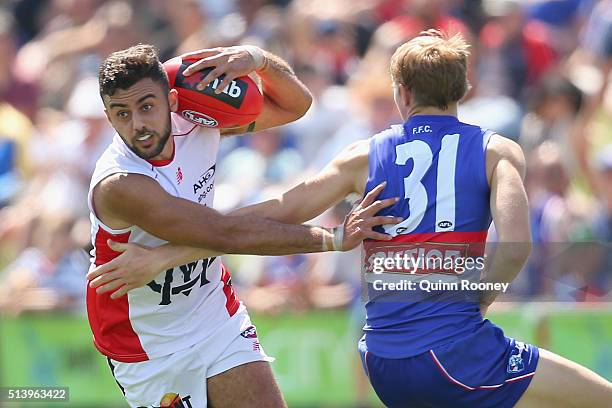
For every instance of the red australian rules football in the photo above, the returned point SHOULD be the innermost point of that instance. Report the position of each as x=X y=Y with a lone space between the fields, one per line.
x=237 y=105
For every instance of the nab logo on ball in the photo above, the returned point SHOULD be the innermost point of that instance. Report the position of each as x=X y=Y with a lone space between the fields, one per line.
x=199 y=118
x=237 y=104
x=232 y=95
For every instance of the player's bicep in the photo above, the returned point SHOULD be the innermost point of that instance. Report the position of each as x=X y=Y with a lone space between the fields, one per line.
x=139 y=200
x=304 y=201
x=124 y=197
x=509 y=205
x=271 y=116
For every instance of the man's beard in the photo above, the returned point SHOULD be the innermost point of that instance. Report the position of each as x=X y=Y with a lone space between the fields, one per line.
x=158 y=148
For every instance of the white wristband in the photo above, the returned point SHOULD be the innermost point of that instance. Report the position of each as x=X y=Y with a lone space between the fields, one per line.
x=324 y=243
x=338 y=238
x=258 y=56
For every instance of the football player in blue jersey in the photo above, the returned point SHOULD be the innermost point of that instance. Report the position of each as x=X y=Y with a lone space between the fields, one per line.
x=424 y=347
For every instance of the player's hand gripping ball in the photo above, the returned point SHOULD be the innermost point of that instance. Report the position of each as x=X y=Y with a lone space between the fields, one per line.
x=237 y=105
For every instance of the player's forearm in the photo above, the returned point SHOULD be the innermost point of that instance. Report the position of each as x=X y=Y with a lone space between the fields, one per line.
x=260 y=236
x=510 y=211
x=170 y=255
x=245 y=234
x=282 y=87
x=267 y=209
x=504 y=262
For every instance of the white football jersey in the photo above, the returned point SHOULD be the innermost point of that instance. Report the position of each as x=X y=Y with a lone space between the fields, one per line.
x=181 y=306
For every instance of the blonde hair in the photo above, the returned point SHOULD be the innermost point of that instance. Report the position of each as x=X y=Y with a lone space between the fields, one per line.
x=433 y=67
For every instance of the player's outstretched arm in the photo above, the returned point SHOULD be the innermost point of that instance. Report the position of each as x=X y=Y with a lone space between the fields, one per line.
x=346 y=174
x=139 y=264
x=133 y=199
x=510 y=210
x=286 y=98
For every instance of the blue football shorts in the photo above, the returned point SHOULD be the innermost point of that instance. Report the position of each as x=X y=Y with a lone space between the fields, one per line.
x=483 y=369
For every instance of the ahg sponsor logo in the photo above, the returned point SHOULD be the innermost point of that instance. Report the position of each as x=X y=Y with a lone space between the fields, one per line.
x=205 y=183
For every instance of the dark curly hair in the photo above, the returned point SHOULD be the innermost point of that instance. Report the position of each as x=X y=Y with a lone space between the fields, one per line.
x=124 y=68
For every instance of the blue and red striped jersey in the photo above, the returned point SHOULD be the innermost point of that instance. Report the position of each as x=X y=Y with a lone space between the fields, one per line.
x=436 y=165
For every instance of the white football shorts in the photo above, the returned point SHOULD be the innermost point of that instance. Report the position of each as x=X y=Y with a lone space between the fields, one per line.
x=179 y=380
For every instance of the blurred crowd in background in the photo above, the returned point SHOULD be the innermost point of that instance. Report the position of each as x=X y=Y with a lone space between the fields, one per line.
x=540 y=75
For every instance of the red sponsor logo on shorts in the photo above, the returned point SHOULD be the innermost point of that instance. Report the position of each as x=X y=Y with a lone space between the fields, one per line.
x=173 y=400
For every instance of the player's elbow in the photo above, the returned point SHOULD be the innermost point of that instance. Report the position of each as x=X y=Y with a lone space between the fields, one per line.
x=515 y=254
x=306 y=103
x=515 y=243
x=519 y=253
x=301 y=105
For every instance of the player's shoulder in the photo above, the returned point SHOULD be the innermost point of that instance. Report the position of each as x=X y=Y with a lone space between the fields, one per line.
x=355 y=154
x=500 y=147
x=393 y=131
x=122 y=187
x=469 y=130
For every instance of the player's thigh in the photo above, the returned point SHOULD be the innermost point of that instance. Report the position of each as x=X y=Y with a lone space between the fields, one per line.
x=559 y=382
x=249 y=385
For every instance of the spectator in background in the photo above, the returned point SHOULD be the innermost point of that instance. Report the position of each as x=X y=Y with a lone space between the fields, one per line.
x=189 y=25
x=15 y=133
x=328 y=112
x=602 y=226
x=15 y=89
x=590 y=66
x=74 y=144
x=554 y=106
x=514 y=52
x=372 y=111
x=48 y=275
x=265 y=159
x=558 y=221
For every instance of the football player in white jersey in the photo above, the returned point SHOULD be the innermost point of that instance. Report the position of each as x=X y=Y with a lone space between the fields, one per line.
x=184 y=340
x=557 y=382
